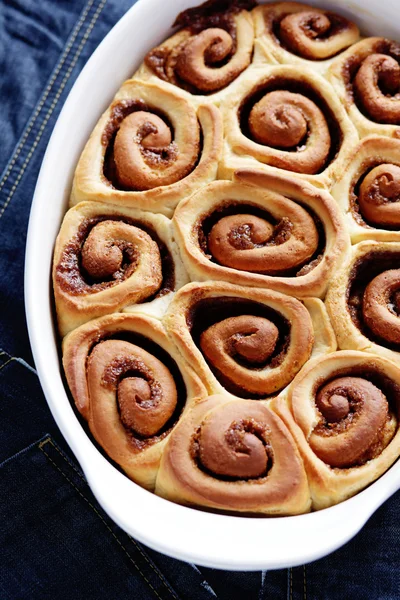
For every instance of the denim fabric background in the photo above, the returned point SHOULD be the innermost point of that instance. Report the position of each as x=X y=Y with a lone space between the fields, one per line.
x=56 y=542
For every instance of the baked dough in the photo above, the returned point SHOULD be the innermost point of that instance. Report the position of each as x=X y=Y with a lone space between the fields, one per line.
x=365 y=78
x=234 y=455
x=345 y=409
x=132 y=386
x=206 y=55
x=247 y=341
x=368 y=190
x=262 y=230
x=283 y=119
x=149 y=149
x=108 y=258
x=362 y=300
x=301 y=35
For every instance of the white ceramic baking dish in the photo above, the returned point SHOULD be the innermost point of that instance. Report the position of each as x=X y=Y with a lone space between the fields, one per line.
x=215 y=540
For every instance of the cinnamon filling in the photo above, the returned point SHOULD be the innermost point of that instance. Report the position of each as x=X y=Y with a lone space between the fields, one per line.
x=375 y=197
x=141 y=152
x=291 y=116
x=202 y=61
x=232 y=450
x=96 y=258
x=357 y=420
x=313 y=34
x=231 y=331
x=247 y=238
x=149 y=389
x=373 y=297
x=374 y=82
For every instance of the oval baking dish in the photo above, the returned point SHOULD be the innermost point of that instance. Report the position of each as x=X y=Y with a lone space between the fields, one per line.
x=205 y=538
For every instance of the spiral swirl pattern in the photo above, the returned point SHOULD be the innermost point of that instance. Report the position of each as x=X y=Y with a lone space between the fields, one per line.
x=145 y=390
x=250 y=353
x=379 y=196
x=315 y=34
x=237 y=455
x=381 y=306
x=250 y=243
x=146 y=156
x=249 y=342
x=208 y=54
x=376 y=85
x=354 y=426
x=346 y=406
x=294 y=128
x=131 y=385
x=104 y=262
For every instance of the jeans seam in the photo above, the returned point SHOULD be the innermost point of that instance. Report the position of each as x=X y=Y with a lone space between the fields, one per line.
x=33 y=445
x=52 y=106
x=17 y=359
x=47 y=91
x=6 y=363
x=41 y=447
x=304 y=583
x=156 y=571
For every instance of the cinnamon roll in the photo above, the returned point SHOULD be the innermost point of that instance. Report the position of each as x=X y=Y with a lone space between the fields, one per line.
x=363 y=300
x=262 y=230
x=108 y=258
x=369 y=190
x=234 y=455
x=149 y=149
x=367 y=79
x=302 y=35
x=246 y=341
x=213 y=45
x=132 y=386
x=346 y=422
x=280 y=118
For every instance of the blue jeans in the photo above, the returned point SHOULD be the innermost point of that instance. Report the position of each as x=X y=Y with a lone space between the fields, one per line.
x=55 y=540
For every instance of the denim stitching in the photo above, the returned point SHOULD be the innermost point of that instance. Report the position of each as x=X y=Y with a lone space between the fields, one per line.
x=53 y=105
x=156 y=571
x=43 y=443
x=33 y=445
x=6 y=363
x=21 y=361
x=65 y=457
x=291 y=583
x=47 y=91
x=100 y=517
x=304 y=583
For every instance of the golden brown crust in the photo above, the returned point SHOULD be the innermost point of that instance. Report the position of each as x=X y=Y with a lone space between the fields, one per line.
x=366 y=78
x=108 y=258
x=248 y=341
x=345 y=442
x=109 y=363
x=267 y=195
x=244 y=441
x=302 y=35
x=368 y=190
x=204 y=60
x=154 y=172
x=362 y=300
x=308 y=131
